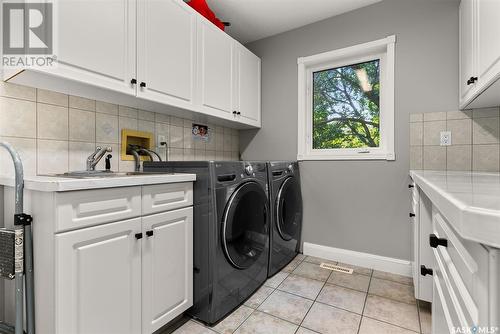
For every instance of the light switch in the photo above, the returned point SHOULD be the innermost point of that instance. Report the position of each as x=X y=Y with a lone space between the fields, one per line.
x=445 y=138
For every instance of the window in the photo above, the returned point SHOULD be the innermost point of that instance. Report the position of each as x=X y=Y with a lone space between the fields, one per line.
x=346 y=103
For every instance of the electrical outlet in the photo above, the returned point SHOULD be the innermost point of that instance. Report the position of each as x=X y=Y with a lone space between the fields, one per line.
x=160 y=139
x=445 y=138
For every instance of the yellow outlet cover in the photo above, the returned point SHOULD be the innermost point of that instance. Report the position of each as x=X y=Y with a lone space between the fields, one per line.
x=134 y=137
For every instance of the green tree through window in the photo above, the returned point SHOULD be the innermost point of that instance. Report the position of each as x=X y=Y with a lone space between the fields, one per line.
x=346 y=106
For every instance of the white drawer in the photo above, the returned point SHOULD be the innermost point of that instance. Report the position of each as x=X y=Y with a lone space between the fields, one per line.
x=165 y=197
x=444 y=314
x=465 y=255
x=77 y=209
x=464 y=267
x=458 y=298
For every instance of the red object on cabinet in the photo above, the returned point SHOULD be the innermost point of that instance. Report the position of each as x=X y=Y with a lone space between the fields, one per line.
x=201 y=7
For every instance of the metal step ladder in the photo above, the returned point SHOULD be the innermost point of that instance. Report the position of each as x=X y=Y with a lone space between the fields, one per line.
x=16 y=255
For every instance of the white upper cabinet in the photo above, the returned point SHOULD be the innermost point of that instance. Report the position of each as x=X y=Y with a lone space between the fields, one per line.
x=166 y=51
x=247 y=85
x=466 y=48
x=479 y=53
x=215 y=66
x=95 y=42
x=157 y=52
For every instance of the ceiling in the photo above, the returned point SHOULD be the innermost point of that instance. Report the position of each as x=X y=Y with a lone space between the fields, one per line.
x=252 y=20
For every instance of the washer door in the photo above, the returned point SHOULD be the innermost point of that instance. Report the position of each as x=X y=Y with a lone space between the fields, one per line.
x=289 y=209
x=244 y=225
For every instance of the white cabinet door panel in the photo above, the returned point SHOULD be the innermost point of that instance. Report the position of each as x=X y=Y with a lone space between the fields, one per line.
x=248 y=85
x=215 y=59
x=488 y=32
x=167 y=286
x=466 y=47
x=98 y=279
x=95 y=42
x=166 y=52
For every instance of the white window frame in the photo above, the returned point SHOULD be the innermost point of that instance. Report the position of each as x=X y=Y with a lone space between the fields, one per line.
x=383 y=49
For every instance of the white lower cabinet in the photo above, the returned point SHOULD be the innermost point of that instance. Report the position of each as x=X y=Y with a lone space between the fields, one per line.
x=98 y=279
x=167 y=267
x=112 y=261
x=420 y=218
x=464 y=275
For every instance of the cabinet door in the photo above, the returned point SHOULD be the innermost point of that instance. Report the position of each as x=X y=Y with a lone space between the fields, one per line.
x=248 y=85
x=215 y=59
x=167 y=267
x=98 y=279
x=166 y=32
x=95 y=42
x=466 y=48
x=488 y=48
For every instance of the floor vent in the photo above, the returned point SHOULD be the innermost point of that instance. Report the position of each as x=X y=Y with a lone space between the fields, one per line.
x=333 y=267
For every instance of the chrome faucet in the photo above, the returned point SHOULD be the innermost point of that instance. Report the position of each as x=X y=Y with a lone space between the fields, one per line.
x=95 y=157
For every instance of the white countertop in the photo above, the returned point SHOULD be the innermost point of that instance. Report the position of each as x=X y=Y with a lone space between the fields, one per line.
x=470 y=201
x=53 y=183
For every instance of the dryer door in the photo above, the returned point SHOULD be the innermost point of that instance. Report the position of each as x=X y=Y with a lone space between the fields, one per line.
x=244 y=225
x=289 y=209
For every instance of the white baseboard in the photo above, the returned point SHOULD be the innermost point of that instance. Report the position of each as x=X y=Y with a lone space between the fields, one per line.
x=383 y=263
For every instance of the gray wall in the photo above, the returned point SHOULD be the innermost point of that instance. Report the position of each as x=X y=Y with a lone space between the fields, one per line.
x=359 y=205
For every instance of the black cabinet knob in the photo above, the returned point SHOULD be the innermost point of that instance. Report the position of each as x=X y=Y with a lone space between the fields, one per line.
x=142 y=84
x=234 y=112
x=238 y=113
x=411 y=186
x=412 y=214
x=150 y=233
x=471 y=80
x=424 y=271
x=138 y=236
x=434 y=241
x=133 y=81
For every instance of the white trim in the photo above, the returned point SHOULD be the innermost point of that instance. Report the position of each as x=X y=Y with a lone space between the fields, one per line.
x=382 y=49
x=383 y=263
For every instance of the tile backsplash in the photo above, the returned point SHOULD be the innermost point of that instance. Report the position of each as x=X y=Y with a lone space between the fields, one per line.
x=475 y=140
x=55 y=132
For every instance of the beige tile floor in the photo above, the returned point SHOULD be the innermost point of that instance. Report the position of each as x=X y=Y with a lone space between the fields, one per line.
x=306 y=299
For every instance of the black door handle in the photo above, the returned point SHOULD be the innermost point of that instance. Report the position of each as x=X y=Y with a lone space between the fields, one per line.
x=138 y=236
x=133 y=81
x=142 y=84
x=424 y=271
x=434 y=241
x=412 y=214
x=471 y=80
x=150 y=233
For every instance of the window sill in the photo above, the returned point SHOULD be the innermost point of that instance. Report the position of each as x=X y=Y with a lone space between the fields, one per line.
x=347 y=156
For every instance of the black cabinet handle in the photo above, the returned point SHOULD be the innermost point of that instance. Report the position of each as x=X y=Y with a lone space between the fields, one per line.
x=133 y=81
x=138 y=236
x=411 y=186
x=434 y=241
x=412 y=214
x=471 y=80
x=142 y=84
x=234 y=112
x=424 y=271
x=150 y=233
x=238 y=113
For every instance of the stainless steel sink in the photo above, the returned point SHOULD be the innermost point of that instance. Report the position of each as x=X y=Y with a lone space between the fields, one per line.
x=100 y=174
